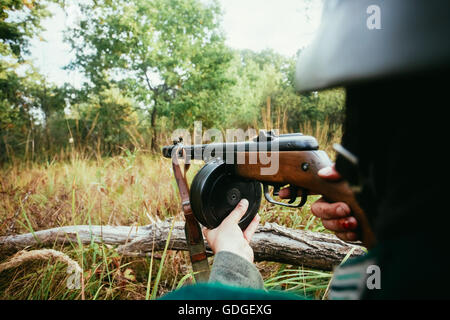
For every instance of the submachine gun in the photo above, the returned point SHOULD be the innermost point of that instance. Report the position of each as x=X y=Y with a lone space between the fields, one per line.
x=234 y=171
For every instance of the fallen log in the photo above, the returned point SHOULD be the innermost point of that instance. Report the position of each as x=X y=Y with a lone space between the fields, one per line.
x=271 y=242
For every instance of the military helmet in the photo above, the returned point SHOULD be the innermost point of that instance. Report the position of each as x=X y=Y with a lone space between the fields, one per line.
x=364 y=40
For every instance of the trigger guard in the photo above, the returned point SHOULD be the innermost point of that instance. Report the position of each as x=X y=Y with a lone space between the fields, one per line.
x=303 y=200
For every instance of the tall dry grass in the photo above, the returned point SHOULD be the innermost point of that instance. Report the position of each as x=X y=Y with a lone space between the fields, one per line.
x=136 y=188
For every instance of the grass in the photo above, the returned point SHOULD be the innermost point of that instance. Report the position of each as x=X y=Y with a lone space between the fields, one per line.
x=133 y=189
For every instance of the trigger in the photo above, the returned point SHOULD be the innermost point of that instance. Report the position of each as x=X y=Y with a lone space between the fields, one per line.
x=293 y=192
x=276 y=191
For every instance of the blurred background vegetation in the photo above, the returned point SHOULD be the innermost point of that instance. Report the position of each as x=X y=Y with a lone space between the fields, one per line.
x=150 y=67
x=90 y=154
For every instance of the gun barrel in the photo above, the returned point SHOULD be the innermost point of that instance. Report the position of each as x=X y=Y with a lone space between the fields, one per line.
x=285 y=142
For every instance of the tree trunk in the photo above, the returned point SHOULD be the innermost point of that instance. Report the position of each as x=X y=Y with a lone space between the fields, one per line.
x=153 y=125
x=271 y=242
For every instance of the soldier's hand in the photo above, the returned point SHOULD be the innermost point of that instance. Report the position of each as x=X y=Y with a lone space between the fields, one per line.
x=335 y=216
x=228 y=236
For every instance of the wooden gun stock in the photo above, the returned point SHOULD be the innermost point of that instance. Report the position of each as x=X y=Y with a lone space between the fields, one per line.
x=300 y=169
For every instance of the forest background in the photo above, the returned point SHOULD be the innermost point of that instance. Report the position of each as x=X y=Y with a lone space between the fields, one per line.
x=90 y=153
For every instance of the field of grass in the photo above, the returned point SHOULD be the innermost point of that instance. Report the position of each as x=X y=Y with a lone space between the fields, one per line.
x=136 y=188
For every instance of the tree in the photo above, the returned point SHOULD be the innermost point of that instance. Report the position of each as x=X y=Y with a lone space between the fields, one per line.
x=266 y=77
x=170 y=54
x=27 y=102
x=24 y=94
x=105 y=118
x=20 y=20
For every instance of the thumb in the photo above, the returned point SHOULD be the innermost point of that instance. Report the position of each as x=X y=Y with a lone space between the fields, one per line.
x=238 y=212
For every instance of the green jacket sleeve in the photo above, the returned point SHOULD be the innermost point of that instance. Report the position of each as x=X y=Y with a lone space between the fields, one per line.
x=232 y=278
x=230 y=269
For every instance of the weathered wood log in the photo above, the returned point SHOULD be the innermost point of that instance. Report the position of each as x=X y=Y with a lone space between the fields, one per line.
x=271 y=242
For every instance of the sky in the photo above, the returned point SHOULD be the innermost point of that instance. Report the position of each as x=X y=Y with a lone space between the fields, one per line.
x=282 y=25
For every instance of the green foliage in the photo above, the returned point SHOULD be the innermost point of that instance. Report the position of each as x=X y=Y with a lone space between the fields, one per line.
x=169 y=54
x=27 y=105
x=151 y=67
x=263 y=75
x=19 y=22
x=256 y=79
x=25 y=96
x=105 y=117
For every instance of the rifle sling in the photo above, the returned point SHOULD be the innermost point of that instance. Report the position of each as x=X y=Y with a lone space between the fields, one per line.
x=193 y=232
